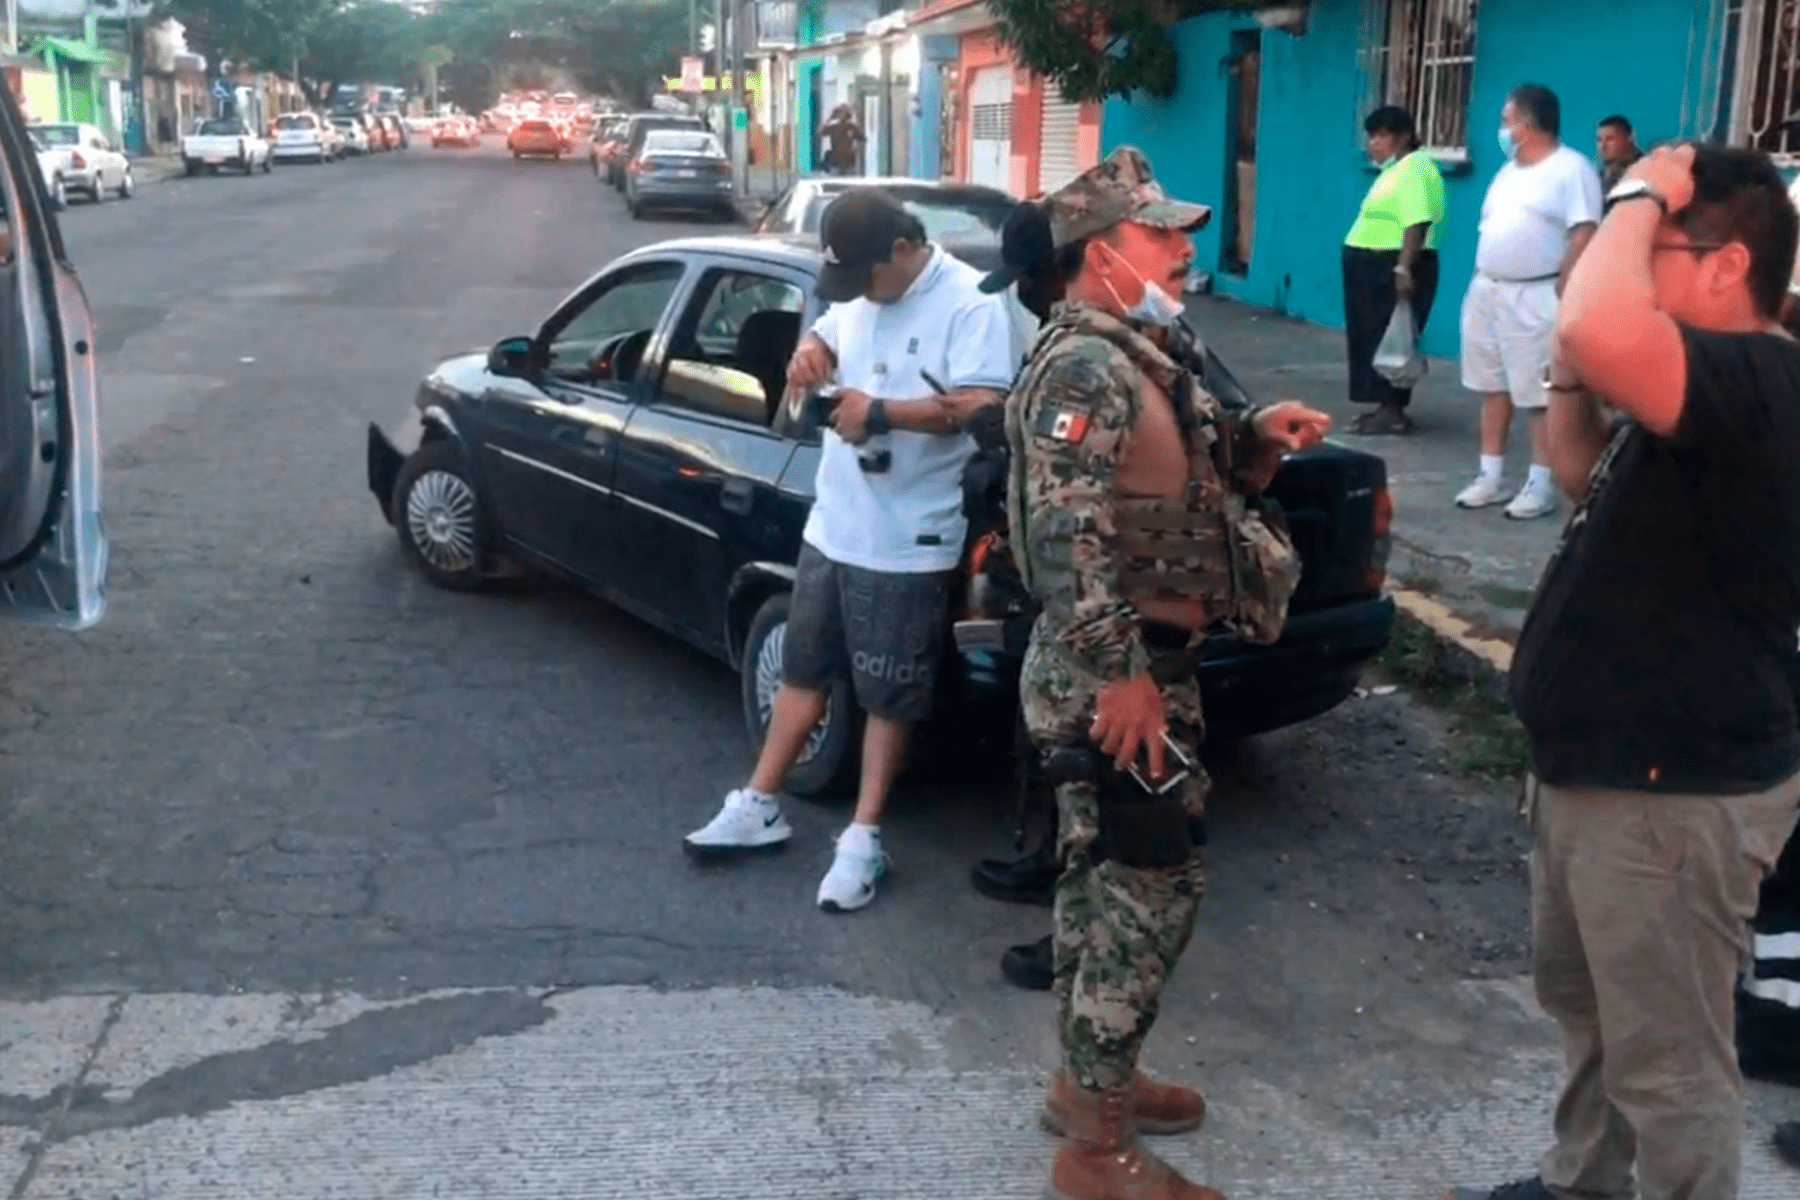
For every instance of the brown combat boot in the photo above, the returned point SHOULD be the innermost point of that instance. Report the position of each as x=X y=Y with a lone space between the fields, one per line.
x=1102 y=1160
x=1158 y=1108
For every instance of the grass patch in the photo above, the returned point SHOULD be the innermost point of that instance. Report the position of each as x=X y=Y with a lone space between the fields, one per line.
x=1487 y=741
x=1425 y=585
x=1501 y=596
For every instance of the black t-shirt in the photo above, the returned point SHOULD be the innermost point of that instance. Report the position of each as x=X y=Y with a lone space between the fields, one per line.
x=1657 y=652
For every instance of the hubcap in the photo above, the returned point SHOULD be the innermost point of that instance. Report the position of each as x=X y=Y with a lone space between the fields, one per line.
x=768 y=682
x=440 y=517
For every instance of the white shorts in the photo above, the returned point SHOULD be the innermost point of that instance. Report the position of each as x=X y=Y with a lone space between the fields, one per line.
x=1506 y=333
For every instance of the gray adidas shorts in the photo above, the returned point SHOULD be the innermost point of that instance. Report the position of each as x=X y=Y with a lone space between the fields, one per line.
x=882 y=630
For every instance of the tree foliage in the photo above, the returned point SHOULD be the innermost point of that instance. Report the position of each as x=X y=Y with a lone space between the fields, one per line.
x=1093 y=49
x=476 y=48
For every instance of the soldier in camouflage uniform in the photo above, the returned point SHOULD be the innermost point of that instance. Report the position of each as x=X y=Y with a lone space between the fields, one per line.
x=1133 y=509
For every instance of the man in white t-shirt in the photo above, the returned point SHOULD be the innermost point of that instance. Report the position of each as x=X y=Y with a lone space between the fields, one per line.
x=887 y=525
x=1540 y=211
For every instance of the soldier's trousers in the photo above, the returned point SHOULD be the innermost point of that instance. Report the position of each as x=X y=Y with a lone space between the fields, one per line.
x=1119 y=930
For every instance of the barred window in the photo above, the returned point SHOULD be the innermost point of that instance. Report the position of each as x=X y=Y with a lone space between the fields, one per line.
x=1760 y=77
x=992 y=122
x=1420 y=54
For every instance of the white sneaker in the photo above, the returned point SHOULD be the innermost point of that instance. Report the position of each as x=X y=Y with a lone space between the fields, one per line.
x=747 y=822
x=1533 y=500
x=1480 y=494
x=858 y=864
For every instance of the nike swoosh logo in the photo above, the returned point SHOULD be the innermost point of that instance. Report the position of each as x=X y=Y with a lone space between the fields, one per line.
x=769 y=822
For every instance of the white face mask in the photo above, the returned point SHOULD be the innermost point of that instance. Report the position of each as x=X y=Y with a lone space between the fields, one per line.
x=1507 y=145
x=1155 y=307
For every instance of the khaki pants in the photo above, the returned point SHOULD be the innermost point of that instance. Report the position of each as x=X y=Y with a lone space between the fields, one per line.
x=1641 y=905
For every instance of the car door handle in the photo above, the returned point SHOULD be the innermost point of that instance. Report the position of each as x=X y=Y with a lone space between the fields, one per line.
x=735 y=496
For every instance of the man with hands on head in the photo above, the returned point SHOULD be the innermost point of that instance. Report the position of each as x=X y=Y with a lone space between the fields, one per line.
x=1131 y=505
x=886 y=530
x=1652 y=672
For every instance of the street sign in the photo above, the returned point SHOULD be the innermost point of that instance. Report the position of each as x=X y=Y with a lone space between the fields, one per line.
x=693 y=74
x=220 y=91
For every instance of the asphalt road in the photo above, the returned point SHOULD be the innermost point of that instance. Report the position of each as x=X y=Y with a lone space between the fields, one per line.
x=286 y=767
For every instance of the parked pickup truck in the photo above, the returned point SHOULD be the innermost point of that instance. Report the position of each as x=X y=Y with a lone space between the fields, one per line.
x=225 y=143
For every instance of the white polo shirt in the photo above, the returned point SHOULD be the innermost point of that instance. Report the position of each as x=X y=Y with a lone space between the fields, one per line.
x=908 y=519
x=1529 y=211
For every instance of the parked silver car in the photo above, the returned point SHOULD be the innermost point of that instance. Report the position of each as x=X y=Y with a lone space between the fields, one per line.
x=680 y=168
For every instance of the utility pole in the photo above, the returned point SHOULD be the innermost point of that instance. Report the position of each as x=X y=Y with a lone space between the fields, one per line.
x=12 y=26
x=721 y=42
x=693 y=25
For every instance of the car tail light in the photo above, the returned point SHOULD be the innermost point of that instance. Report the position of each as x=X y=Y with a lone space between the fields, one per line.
x=77 y=161
x=1381 y=542
x=722 y=167
x=638 y=166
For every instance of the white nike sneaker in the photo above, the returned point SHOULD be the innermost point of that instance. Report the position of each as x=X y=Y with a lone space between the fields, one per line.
x=1483 y=493
x=1533 y=500
x=858 y=864
x=747 y=822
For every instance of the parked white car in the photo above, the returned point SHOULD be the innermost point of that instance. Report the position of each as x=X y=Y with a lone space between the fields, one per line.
x=305 y=135
x=224 y=143
x=354 y=133
x=84 y=159
x=50 y=167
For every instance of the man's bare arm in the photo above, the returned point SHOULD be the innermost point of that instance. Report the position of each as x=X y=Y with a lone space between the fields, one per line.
x=1579 y=237
x=1609 y=332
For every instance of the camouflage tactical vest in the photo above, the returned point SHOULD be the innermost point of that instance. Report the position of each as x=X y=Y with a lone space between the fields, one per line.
x=1213 y=544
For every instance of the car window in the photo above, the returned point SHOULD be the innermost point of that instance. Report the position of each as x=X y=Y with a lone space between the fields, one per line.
x=221 y=129
x=294 y=121
x=681 y=141
x=58 y=135
x=592 y=343
x=731 y=348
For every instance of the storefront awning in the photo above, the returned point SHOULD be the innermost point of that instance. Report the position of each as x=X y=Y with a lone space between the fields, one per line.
x=72 y=50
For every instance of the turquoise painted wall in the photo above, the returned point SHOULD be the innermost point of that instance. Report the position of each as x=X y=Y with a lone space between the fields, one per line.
x=1311 y=171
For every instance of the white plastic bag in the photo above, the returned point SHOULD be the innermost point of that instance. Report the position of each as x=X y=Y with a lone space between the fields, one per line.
x=1397 y=358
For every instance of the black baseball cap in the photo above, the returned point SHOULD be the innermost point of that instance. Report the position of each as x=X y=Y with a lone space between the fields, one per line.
x=1026 y=244
x=858 y=230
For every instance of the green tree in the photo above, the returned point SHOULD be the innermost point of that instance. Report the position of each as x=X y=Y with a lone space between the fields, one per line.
x=1099 y=48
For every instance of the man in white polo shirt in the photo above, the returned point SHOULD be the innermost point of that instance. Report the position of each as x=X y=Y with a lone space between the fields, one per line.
x=1540 y=211
x=887 y=524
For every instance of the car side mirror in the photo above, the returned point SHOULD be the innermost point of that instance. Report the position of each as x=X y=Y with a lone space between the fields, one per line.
x=510 y=356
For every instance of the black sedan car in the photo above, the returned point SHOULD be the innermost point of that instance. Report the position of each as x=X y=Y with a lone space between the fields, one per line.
x=640 y=443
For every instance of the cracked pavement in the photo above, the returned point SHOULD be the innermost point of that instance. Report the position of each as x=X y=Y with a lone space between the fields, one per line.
x=316 y=881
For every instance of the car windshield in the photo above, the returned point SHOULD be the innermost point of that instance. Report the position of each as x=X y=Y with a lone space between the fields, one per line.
x=296 y=121
x=535 y=126
x=221 y=129
x=59 y=135
x=947 y=215
x=682 y=142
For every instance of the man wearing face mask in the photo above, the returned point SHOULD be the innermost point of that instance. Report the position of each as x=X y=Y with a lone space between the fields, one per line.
x=1539 y=213
x=1135 y=514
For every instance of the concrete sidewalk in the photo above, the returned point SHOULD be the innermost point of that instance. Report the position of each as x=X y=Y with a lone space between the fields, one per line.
x=1481 y=565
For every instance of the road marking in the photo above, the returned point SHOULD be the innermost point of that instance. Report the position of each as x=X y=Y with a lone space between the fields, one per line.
x=1437 y=617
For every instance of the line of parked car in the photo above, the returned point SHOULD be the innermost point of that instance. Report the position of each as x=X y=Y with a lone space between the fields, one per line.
x=315 y=137
x=663 y=160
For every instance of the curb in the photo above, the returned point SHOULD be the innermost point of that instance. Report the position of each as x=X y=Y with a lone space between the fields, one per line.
x=1464 y=651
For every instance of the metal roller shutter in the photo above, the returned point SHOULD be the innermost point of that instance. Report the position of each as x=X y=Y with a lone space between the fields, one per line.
x=1058 y=158
x=990 y=127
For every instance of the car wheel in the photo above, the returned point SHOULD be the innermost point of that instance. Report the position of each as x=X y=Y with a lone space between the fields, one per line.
x=127 y=186
x=192 y=167
x=97 y=193
x=439 y=517
x=59 y=194
x=828 y=762
x=268 y=164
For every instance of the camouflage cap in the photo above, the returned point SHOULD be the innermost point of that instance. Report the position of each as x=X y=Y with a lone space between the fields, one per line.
x=1122 y=187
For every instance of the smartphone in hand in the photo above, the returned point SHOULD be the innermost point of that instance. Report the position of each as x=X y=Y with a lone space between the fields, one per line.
x=1178 y=765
